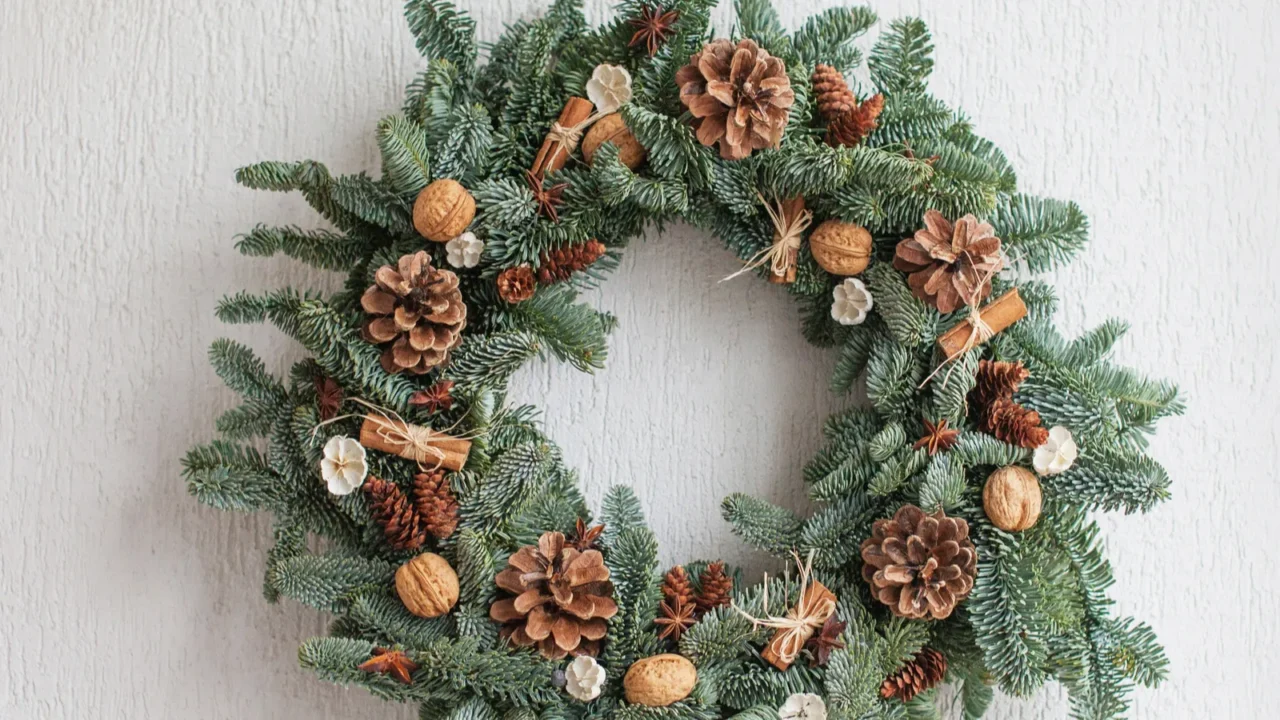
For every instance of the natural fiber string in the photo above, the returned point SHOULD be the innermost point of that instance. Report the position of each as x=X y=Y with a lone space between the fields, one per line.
x=566 y=138
x=404 y=433
x=800 y=622
x=788 y=233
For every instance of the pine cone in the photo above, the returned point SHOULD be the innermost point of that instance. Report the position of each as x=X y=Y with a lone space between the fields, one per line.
x=926 y=671
x=950 y=265
x=715 y=587
x=563 y=598
x=418 y=309
x=1014 y=424
x=739 y=95
x=996 y=380
x=557 y=265
x=676 y=588
x=920 y=565
x=515 y=285
x=435 y=503
x=392 y=510
x=993 y=408
x=847 y=121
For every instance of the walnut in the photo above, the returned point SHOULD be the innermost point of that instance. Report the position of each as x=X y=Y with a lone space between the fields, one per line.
x=841 y=248
x=611 y=128
x=1011 y=498
x=427 y=585
x=443 y=210
x=660 y=680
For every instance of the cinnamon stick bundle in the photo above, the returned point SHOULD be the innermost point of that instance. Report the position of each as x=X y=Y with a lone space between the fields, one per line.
x=791 y=210
x=999 y=314
x=554 y=154
x=816 y=595
x=413 y=442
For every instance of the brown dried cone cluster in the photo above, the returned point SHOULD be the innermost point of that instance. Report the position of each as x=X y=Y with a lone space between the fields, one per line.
x=416 y=308
x=920 y=565
x=562 y=598
x=401 y=524
x=950 y=265
x=715 y=588
x=992 y=406
x=559 y=264
x=926 y=671
x=515 y=285
x=739 y=96
x=848 y=122
x=435 y=503
x=405 y=523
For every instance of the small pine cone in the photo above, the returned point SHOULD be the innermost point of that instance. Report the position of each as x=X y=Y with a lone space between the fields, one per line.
x=832 y=92
x=435 y=503
x=392 y=510
x=676 y=588
x=557 y=265
x=716 y=586
x=1014 y=424
x=516 y=284
x=925 y=672
x=996 y=380
x=848 y=122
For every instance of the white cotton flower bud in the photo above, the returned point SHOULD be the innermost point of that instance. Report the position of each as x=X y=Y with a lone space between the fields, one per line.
x=465 y=250
x=609 y=88
x=584 y=678
x=343 y=466
x=851 y=302
x=1057 y=454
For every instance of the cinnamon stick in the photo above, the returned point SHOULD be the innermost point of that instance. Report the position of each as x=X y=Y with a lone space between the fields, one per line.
x=414 y=442
x=553 y=155
x=791 y=208
x=814 y=595
x=999 y=314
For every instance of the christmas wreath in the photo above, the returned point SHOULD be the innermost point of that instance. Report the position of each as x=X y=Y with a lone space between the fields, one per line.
x=439 y=524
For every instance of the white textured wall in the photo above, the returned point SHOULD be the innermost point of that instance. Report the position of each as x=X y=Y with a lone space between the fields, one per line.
x=123 y=121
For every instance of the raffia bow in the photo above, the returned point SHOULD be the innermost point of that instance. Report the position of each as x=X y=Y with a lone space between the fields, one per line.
x=801 y=622
x=389 y=432
x=979 y=330
x=787 y=234
x=567 y=137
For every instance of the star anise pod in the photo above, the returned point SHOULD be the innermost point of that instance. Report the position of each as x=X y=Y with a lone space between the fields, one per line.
x=937 y=437
x=824 y=641
x=390 y=662
x=547 y=198
x=586 y=538
x=675 y=619
x=435 y=398
x=328 y=397
x=654 y=25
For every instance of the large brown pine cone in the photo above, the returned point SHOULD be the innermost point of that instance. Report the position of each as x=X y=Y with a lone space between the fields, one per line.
x=563 y=598
x=418 y=309
x=920 y=565
x=739 y=95
x=950 y=265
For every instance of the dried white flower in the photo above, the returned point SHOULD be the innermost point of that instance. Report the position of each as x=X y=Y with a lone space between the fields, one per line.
x=584 y=678
x=852 y=302
x=343 y=467
x=465 y=250
x=803 y=706
x=609 y=88
x=1057 y=454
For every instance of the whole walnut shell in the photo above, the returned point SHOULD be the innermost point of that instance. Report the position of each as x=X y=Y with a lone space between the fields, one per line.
x=660 y=680
x=427 y=585
x=443 y=210
x=611 y=128
x=841 y=248
x=1012 y=498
